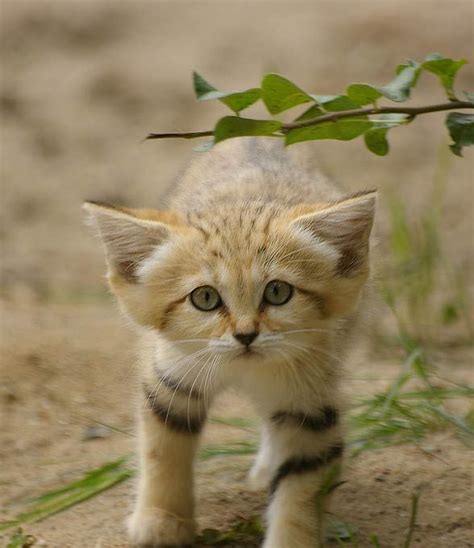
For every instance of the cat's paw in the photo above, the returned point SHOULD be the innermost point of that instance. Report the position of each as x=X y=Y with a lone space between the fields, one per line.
x=156 y=528
x=259 y=477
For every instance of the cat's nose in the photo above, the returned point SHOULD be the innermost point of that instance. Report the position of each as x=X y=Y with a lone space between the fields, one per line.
x=246 y=338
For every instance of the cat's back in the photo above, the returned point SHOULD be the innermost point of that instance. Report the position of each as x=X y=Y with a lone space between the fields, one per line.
x=250 y=170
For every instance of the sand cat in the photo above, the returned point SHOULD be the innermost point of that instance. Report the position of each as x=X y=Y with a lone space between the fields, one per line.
x=248 y=279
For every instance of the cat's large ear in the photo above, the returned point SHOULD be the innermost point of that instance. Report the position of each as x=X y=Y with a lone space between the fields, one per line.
x=345 y=224
x=128 y=235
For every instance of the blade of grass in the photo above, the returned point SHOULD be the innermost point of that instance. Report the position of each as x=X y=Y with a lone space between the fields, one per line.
x=237 y=422
x=93 y=483
x=374 y=540
x=100 y=479
x=403 y=378
x=413 y=514
x=237 y=448
x=457 y=421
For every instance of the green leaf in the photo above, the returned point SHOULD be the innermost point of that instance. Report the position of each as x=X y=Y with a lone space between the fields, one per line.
x=235 y=100
x=434 y=57
x=363 y=94
x=389 y=120
x=312 y=112
x=399 y=88
x=201 y=86
x=240 y=100
x=335 y=103
x=376 y=141
x=342 y=130
x=410 y=63
x=327 y=103
x=446 y=69
x=233 y=126
x=461 y=129
x=279 y=94
x=322 y=99
x=376 y=138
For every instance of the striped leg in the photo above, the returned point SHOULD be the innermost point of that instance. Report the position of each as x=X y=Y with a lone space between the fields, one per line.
x=303 y=447
x=171 y=420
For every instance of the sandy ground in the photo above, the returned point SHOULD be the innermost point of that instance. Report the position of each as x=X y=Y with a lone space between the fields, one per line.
x=82 y=83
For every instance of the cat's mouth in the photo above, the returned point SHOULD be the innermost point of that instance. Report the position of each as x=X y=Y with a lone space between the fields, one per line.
x=248 y=353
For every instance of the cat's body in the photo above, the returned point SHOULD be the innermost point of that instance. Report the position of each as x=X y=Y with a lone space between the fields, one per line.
x=250 y=279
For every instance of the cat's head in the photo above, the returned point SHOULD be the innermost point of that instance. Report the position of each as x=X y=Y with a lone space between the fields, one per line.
x=248 y=280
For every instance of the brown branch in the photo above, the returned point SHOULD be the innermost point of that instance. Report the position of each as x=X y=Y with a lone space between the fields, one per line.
x=332 y=117
x=185 y=135
x=411 y=111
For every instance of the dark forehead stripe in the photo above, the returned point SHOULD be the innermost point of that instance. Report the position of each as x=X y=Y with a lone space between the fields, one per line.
x=266 y=226
x=328 y=418
x=305 y=464
x=245 y=219
x=196 y=221
x=202 y=230
x=173 y=421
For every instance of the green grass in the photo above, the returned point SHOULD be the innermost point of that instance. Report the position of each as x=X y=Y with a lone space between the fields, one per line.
x=91 y=484
x=228 y=449
x=426 y=293
x=404 y=413
x=21 y=540
x=245 y=531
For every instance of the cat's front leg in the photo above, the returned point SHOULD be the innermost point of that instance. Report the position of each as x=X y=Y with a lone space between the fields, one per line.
x=305 y=445
x=169 y=430
x=264 y=466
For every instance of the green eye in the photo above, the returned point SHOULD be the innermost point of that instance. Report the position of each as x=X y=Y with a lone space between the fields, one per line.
x=206 y=298
x=277 y=292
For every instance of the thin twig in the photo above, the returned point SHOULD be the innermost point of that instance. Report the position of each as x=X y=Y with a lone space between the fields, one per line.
x=184 y=135
x=332 y=117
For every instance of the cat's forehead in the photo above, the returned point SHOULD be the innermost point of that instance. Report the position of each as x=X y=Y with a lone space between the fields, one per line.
x=244 y=228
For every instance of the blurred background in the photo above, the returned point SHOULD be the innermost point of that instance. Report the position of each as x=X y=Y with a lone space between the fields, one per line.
x=82 y=83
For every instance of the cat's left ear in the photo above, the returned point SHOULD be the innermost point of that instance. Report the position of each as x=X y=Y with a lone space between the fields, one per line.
x=129 y=236
x=345 y=224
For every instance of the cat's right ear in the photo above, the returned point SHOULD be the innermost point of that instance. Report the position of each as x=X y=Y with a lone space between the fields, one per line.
x=128 y=239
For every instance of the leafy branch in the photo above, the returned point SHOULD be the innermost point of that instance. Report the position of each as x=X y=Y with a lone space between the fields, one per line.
x=342 y=117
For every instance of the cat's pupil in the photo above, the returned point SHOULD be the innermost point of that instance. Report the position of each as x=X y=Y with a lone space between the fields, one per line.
x=278 y=292
x=205 y=298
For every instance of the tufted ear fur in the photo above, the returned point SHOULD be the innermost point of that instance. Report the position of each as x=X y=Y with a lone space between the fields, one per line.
x=345 y=224
x=129 y=236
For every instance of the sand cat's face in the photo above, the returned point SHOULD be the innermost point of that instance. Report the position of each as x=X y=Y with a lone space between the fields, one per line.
x=248 y=282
